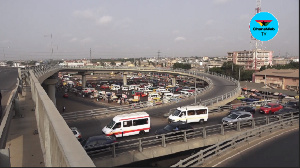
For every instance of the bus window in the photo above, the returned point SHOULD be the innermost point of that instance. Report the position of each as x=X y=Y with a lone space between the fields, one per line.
x=127 y=123
x=201 y=111
x=140 y=122
x=191 y=112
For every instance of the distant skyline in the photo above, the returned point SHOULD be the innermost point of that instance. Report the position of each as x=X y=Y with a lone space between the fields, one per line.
x=135 y=28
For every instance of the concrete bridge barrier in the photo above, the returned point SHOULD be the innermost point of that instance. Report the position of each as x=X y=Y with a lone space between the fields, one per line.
x=59 y=145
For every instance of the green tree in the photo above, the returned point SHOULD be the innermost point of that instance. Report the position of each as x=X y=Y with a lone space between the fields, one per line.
x=10 y=63
x=181 y=66
x=232 y=70
x=262 y=68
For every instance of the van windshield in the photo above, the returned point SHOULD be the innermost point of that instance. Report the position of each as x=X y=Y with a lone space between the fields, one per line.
x=111 y=124
x=176 y=112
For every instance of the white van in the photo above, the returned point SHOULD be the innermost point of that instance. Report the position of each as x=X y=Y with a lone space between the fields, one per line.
x=186 y=93
x=128 y=124
x=153 y=95
x=189 y=114
x=115 y=87
x=133 y=87
x=168 y=94
x=140 y=89
x=126 y=88
x=164 y=92
x=160 y=90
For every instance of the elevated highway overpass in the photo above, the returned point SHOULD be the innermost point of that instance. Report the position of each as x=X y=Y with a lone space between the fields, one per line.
x=51 y=124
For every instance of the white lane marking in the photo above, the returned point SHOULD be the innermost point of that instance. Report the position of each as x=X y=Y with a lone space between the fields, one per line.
x=252 y=147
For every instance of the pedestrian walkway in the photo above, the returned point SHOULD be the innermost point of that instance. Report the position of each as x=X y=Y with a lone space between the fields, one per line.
x=23 y=139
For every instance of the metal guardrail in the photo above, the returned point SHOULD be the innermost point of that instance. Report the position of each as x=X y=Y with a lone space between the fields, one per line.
x=228 y=144
x=183 y=136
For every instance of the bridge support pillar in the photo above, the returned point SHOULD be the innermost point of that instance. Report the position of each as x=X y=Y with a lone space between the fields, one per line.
x=51 y=89
x=83 y=80
x=173 y=81
x=124 y=79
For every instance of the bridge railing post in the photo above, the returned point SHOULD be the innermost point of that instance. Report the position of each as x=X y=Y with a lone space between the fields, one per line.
x=233 y=143
x=140 y=145
x=204 y=133
x=200 y=158
x=238 y=126
x=253 y=123
x=222 y=129
x=114 y=150
x=163 y=141
x=184 y=137
x=267 y=120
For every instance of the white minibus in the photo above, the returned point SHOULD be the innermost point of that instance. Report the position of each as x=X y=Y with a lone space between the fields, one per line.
x=189 y=114
x=128 y=124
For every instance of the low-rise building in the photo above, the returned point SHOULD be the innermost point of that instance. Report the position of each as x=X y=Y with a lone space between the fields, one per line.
x=283 y=78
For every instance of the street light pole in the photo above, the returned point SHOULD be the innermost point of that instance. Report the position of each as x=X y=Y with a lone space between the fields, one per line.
x=195 y=92
x=3 y=51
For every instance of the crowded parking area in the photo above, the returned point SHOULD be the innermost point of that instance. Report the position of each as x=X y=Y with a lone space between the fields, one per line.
x=150 y=89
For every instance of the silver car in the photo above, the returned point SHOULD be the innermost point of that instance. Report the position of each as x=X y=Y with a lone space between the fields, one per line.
x=234 y=117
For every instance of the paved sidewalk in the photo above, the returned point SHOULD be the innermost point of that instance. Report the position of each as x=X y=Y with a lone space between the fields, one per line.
x=22 y=141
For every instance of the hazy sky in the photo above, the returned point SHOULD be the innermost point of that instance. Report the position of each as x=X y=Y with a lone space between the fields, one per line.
x=139 y=28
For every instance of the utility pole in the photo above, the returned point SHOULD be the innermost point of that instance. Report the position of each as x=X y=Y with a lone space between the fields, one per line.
x=257 y=43
x=195 y=92
x=90 y=55
x=158 y=56
x=51 y=43
x=3 y=51
x=239 y=73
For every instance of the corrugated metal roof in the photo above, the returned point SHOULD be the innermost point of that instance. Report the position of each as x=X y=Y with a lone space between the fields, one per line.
x=293 y=73
x=260 y=87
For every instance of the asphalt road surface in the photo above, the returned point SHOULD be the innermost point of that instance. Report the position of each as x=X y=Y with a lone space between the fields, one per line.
x=281 y=151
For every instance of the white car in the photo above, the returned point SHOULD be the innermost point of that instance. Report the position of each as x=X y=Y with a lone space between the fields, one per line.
x=76 y=132
x=125 y=88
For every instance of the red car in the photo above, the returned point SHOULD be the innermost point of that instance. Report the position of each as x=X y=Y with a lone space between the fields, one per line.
x=65 y=95
x=270 y=108
x=104 y=87
x=140 y=94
